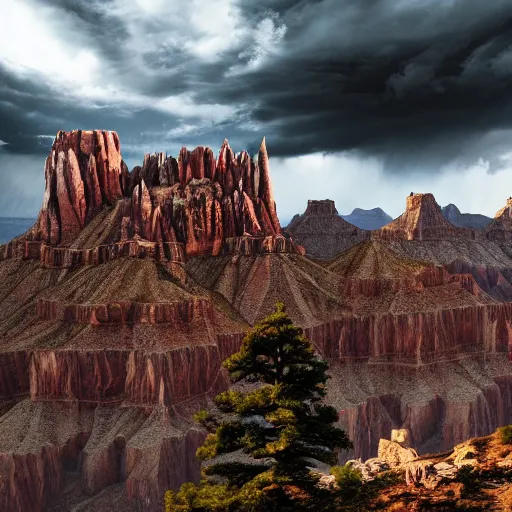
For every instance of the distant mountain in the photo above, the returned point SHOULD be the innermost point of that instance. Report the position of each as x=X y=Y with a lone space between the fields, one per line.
x=465 y=220
x=11 y=227
x=368 y=219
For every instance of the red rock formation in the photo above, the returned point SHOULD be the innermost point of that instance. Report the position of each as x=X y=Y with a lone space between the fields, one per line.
x=322 y=232
x=14 y=375
x=440 y=404
x=37 y=443
x=172 y=377
x=265 y=188
x=112 y=334
x=500 y=229
x=82 y=171
x=173 y=314
x=193 y=199
x=404 y=309
x=416 y=337
x=66 y=374
x=422 y=220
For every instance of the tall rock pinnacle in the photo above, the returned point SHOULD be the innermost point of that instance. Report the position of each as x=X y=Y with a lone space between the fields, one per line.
x=265 y=188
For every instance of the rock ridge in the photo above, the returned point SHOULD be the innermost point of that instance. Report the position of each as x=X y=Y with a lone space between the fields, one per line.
x=194 y=200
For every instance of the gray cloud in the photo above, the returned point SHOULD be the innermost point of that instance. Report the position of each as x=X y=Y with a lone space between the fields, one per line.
x=418 y=84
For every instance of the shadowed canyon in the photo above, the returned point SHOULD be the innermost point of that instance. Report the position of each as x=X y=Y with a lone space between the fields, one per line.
x=120 y=303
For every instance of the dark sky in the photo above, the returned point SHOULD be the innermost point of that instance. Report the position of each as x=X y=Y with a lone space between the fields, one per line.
x=360 y=100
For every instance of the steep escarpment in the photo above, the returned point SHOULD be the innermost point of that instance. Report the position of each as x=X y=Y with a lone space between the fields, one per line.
x=322 y=232
x=116 y=342
x=407 y=310
x=441 y=404
x=84 y=171
x=420 y=348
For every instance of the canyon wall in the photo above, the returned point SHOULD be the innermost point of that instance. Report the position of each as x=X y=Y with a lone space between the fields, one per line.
x=120 y=304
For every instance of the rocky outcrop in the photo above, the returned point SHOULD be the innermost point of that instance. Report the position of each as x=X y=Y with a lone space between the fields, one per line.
x=422 y=220
x=465 y=220
x=368 y=219
x=193 y=199
x=14 y=374
x=394 y=454
x=441 y=404
x=82 y=172
x=33 y=466
x=440 y=481
x=67 y=375
x=121 y=303
x=416 y=338
x=322 y=232
x=500 y=229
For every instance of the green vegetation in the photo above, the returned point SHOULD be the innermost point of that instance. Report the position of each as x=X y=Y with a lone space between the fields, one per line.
x=261 y=443
x=505 y=434
x=349 y=480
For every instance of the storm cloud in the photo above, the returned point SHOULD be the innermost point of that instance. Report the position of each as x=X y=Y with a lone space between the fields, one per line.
x=420 y=88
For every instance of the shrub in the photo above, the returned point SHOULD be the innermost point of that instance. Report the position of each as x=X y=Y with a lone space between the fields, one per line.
x=505 y=434
x=349 y=479
x=469 y=478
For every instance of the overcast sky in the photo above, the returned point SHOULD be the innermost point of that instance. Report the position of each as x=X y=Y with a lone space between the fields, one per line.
x=361 y=101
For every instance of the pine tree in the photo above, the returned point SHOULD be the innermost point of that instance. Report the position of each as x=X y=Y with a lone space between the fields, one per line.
x=259 y=451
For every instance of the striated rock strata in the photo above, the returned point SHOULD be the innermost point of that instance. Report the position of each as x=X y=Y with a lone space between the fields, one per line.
x=500 y=228
x=120 y=304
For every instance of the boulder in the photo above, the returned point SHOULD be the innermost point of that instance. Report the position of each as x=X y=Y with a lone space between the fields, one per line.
x=394 y=454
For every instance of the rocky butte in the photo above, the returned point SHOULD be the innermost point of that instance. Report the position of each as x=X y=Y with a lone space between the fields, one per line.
x=422 y=220
x=322 y=232
x=120 y=303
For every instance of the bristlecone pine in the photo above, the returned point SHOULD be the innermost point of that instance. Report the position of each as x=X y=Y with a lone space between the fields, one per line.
x=261 y=442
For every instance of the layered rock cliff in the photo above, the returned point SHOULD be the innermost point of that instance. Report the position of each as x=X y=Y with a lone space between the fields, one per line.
x=322 y=232
x=120 y=304
x=500 y=228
